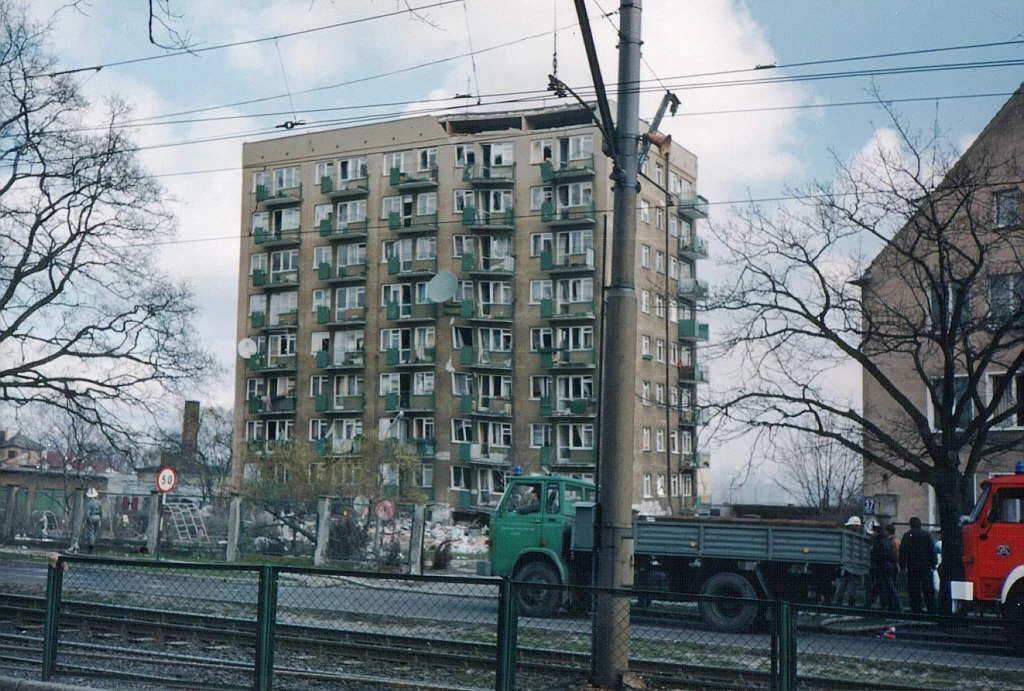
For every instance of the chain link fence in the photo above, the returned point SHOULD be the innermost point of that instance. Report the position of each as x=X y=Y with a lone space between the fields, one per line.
x=262 y=625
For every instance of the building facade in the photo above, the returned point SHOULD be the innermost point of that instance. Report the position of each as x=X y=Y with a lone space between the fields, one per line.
x=437 y=281
x=949 y=290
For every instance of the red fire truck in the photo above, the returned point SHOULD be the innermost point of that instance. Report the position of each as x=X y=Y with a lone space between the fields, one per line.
x=993 y=536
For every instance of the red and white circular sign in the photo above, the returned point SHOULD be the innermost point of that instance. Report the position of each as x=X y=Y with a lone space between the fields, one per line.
x=385 y=509
x=166 y=479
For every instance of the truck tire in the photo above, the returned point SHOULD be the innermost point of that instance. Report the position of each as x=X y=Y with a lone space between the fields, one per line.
x=728 y=615
x=1013 y=615
x=537 y=602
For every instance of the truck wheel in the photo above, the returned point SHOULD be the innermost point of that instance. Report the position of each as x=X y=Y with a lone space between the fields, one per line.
x=728 y=615
x=1013 y=615
x=537 y=602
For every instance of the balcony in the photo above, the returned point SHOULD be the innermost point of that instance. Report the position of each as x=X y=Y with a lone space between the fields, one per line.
x=568 y=407
x=275 y=279
x=693 y=208
x=343 y=189
x=420 y=355
x=489 y=265
x=352 y=359
x=489 y=176
x=338 y=447
x=550 y=456
x=565 y=216
x=488 y=359
x=694 y=374
x=488 y=220
x=397 y=311
x=576 y=169
x=345 y=273
x=692 y=289
x=259 y=405
x=407 y=401
x=483 y=454
x=343 y=229
x=272 y=363
x=487 y=311
x=281 y=320
x=277 y=238
x=352 y=315
x=424 y=179
x=568 y=359
x=419 y=223
x=329 y=403
x=412 y=268
x=282 y=197
x=567 y=262
x=692 y=330
x=692 y=417
x=695 y=248
x=550 y=309
x=493 y=406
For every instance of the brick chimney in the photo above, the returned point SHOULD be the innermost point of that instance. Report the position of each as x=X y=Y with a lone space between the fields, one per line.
x=190 y=428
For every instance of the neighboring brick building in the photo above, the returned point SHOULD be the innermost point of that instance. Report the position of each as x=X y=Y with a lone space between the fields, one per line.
x=976 y=295
x=343 y=232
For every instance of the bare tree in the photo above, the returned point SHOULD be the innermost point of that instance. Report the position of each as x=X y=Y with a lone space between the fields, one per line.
x=89 y=325
x=924 y=334
x=819 y=473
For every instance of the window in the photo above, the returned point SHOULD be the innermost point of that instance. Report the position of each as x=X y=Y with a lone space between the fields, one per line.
x=645 y=346
x=1007 y=208
x=461 y=477
x=645 y=392
x=659 y=350
x=426 y=203
x=501 y=154
x=575 y=194
x=538 y=196
x=462 y=430
x=397 y=159
x=540 y=386
x=541 y=339
x=462 y=245
x=426 y=159
x=539 y=290
x=647 y=485
x=659 y=261
x=577 y=147
x=319 y=429
x=659 y=174
x=961 y=406
x=659 y=218
x=540 y=435
x=351 y=212
x=465 y=155
x=659 y=395
x=951 y=304
x=659 y=480
x=645 y=256
x=659 y=307
x=463 y=199
x=575 y=338
x=285 y=178
x=645 y=210
x=261 y=178
x=539 y=243
x=353 y=168
x=1005 y=298
x=541 y=150
x=1010 y=390
x=645 y=301
x=673 y=447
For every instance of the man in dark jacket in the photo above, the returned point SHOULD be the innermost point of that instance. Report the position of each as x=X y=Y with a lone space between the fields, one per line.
x=883 y=571
x=918 y=560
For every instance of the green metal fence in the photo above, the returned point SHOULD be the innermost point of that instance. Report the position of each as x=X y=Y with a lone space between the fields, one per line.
x=262 y=626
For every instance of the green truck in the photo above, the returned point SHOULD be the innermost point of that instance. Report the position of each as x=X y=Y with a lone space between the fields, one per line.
x=543 y=532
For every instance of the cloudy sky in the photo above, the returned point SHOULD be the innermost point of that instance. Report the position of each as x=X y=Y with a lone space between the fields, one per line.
x=757 y=132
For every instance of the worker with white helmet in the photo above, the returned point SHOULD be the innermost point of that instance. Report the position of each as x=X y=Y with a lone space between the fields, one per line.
x=848 y=582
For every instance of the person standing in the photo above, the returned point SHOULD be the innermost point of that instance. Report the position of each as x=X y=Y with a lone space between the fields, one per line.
x=883 y=571
x=848 y=582
x=93 y=516
x=918 y=559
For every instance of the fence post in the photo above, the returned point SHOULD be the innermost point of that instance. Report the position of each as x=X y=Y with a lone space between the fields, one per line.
x=51 y=629
x=154 y=507
x=77 y=517
x=7 y=529
x=234 y=528
x=266 y=621
x=787 y=647
x=416 y=541
x=323 y=530
x=505 y=672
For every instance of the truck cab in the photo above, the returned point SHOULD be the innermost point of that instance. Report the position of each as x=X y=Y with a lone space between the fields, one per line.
x=530 y=535
x=993 y=544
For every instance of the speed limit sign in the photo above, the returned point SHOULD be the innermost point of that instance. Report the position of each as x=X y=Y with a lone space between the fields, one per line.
x=166 y=479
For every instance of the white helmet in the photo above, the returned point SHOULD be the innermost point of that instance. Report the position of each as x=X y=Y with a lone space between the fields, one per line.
x=92 y=493
x=852 y=521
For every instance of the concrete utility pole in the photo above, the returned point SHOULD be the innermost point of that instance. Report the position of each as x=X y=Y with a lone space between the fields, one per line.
x=618 y=366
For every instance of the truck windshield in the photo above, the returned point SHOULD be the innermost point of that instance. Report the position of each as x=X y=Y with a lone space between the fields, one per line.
x=976 y=511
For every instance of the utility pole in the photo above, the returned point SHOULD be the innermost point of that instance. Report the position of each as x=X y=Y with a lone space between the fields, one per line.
x=618 y=367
